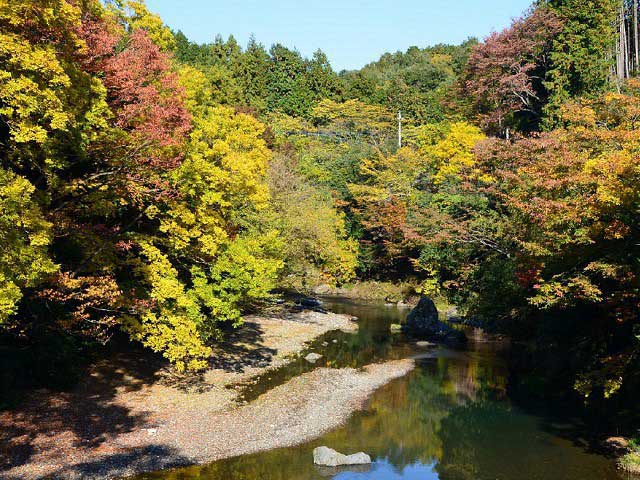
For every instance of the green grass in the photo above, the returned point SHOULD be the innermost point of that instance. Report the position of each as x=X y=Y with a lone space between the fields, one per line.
x=630 y=462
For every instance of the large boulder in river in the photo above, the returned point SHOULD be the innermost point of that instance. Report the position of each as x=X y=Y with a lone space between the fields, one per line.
x=328 y=457
x=423 y=322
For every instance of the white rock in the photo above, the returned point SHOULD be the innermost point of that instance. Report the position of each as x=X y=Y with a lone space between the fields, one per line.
x=330 y=458
x=313 y=357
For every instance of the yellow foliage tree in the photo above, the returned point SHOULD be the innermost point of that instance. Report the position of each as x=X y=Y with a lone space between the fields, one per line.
x=223 y=174
x=355 y=116
x=171 y=324
x=36 y=84
x=451 y=151
x=25 y=236
x=135 y=15
x=210 y=257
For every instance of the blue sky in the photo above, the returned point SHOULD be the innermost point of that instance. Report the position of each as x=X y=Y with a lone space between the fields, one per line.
x=351 y=32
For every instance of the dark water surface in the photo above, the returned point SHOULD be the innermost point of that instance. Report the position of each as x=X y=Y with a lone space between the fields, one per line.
x=449 y=419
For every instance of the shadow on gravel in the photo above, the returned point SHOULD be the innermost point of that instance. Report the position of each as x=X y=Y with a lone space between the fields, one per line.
x=85 y=417
x=147 y=459
x=242 y=348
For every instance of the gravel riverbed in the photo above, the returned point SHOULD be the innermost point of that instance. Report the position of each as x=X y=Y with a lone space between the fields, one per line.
x=123 y=420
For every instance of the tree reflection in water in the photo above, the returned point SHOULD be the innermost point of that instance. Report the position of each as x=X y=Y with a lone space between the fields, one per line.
x=450 y=419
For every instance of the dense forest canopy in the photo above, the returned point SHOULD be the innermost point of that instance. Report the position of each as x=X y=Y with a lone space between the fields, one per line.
x=162 y=188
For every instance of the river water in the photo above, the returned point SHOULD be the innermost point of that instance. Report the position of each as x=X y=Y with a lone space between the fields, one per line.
x=450 y=419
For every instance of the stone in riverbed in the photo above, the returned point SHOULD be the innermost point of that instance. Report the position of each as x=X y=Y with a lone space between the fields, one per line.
x=313 y=357
x=423 y=322
x=330 y=458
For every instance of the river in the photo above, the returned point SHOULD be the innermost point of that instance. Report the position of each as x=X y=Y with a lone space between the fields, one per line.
x=452 y=418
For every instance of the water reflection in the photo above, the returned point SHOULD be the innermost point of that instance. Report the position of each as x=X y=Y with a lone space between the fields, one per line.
x=450 y=419
x=386 y=470
x=372 y=342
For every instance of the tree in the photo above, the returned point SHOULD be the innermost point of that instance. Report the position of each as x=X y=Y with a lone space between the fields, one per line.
x=545 y=245
x=417 y=81
x=402 y=197
x=507 y=74
x=252 y=70
x=208 y=260
x=129 y=199
x=25 y=236
x=138 y=17
x=316 y=246
x=583 y=51
x=355 y=118
x=286 y=82
x=38 y=81
x=321 y=81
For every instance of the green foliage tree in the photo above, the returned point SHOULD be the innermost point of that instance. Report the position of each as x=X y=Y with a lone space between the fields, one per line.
x=286 y=89
x=416 y=82
x=316 y=246
x=582 y=56
x=252 y=71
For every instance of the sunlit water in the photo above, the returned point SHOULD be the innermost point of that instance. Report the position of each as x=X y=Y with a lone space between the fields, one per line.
x=451 y=418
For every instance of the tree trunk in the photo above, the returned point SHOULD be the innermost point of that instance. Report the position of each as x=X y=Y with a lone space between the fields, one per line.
x=636 y=41
x=623 y=55
x=620 y=45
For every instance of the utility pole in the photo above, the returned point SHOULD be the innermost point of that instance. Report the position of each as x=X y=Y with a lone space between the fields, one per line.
x=399 y=129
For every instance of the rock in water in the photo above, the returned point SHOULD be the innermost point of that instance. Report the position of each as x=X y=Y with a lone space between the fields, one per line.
x=423 y=322
x=309 y=302
x=313 y=357
x=424 y=316
x=330 y=458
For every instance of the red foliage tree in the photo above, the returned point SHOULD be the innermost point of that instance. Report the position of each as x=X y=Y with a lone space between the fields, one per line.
x=142 y=91
x=506 y=73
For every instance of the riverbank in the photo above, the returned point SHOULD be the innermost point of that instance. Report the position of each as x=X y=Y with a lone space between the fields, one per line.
x=131 y=416
x=401 y=294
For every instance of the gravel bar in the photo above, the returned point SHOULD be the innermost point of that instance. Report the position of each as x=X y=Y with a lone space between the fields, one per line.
x=116 y=424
